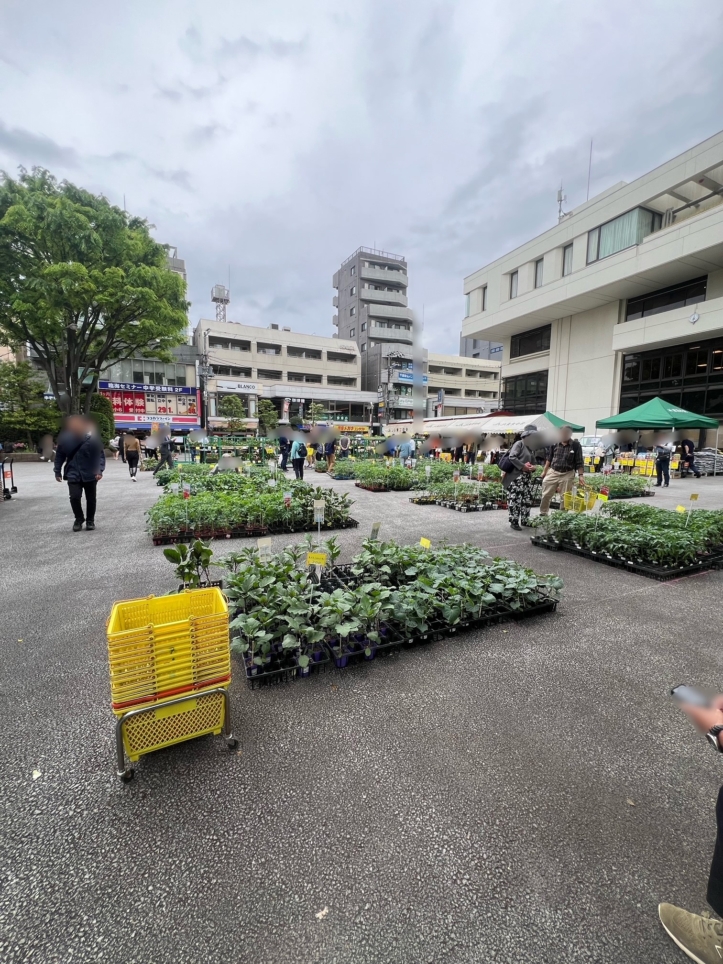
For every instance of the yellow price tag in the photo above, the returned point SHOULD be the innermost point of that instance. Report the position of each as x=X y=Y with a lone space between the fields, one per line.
x=425 y=543
x=680 y=508
x=602 y=498
x=693 y=496
x=315 y=558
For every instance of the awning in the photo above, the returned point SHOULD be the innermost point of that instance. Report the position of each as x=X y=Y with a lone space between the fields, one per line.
x=659 y=414
x=560 y=422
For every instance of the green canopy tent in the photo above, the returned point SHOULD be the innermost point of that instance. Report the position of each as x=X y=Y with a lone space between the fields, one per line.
x=659 y=414
x=560 y=422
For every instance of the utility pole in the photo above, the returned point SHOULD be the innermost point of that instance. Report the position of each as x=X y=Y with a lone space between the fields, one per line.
x=206 y=372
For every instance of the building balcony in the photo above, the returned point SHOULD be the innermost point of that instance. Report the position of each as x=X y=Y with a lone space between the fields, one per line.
x=382 y=276
x=335 y=280
x=335 y=319
x=390 y=334
x=370 y=312
x=335 y=301
x=388 y=298
x=670 y=327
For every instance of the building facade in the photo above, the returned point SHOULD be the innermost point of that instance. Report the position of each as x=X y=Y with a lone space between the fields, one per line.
x=619 y=302
x=291 y=369
x=372 y=309
x=479 y=348
x=146 y=393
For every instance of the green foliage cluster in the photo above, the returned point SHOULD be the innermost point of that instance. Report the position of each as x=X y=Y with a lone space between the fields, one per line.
x=24 y=414
x=192 y=562
x=101 y=410
x=283 y=616
x=639 y=533
x=620 y=486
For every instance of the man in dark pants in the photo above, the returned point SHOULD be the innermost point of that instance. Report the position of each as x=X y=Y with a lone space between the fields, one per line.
x=166 y=454
x=687 y=458
x=284 y=449
x=662 y=465
x=701 y=938
x=80 y=450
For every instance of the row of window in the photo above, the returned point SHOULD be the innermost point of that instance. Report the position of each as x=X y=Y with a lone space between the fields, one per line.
x=273 y=374
x=539 y=273
x=148 y=373
x=525 y=394
x=268 y=348
x=679 y=366
x=529 y=342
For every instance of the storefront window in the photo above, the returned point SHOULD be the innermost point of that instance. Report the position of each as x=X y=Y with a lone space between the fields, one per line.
x=690 y=376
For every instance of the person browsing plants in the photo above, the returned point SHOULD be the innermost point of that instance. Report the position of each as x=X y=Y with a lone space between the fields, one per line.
x=518 y=465
x=563 y=460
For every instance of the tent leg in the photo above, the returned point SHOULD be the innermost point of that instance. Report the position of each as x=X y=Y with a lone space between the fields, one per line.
x=715 y=457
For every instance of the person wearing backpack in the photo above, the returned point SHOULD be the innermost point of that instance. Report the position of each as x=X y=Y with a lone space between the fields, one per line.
x=298 y=454
x=80 y=450
x=518 y=465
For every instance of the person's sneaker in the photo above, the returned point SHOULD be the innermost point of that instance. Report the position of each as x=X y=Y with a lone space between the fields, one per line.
x=701 y=938
x=90 y=525
x=515 y=525
x=77 y=526
x=133 y=478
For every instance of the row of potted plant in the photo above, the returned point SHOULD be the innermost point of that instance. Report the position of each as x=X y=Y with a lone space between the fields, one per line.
x=634 y=536
x=620 y=486
x=287 y=621
x=487 y=495
x=250 y=512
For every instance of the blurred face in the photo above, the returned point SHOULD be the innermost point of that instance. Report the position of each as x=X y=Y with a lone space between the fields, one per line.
x=76 y=424
x=565 y=434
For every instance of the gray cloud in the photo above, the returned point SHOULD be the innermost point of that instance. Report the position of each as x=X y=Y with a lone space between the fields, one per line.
x=246 y=52
x=202 y=134
x=183 y=91
x=35 y=149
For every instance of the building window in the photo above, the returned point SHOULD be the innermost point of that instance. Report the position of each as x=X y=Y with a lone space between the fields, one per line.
x=667 y=299
x=514 y=278
x=364 y=326
x=352 y=332
x=267 y=348
x=529 y=342
x=525 y=394
x=622 y=232
x=538 y=272
x=364 y=346
x=567 y=260
x=352 y=270
x=466 y=306
x=270 y=373
x=352 y=290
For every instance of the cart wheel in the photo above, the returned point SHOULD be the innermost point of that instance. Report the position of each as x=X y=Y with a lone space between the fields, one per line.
x=231 y=742
x=127 y=775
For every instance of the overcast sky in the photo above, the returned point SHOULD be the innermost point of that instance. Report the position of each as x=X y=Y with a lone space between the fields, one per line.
x=276 y=137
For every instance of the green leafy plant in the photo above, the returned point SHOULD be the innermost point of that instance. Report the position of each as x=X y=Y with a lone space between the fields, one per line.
x=192 y=562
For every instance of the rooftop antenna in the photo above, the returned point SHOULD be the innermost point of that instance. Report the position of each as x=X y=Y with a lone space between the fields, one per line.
x=220 y=296
x=561 y=199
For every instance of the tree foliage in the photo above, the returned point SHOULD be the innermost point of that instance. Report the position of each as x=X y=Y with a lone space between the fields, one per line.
x=268 y=416
x=101 y=409
x=83 y=283
x=233 y=409
x=316 y=412
x=23 y=410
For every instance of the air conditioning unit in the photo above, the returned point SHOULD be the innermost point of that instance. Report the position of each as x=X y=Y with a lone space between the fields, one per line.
x=286 y=329
x=274 y=327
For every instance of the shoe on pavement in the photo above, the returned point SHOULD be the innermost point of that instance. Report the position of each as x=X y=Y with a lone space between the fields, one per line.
x=89 y=526
x=77 y=526
x=701 y=938
x=133 y=478
x=515 y=525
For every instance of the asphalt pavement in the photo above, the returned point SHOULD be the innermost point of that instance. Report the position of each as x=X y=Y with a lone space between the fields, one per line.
x=526 y=792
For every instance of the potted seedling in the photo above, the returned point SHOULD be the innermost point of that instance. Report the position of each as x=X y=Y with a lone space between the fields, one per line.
x=253 y=643
x=192 y=564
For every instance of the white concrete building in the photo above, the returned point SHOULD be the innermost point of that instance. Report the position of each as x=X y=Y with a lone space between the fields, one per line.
x=291 y=369
x=619 y=302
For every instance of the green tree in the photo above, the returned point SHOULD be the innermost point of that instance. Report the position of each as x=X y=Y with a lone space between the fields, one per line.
x=83 y=283
x=22 y=406
x=316 y=412
x=268 y=416
x=101 y=410
x=232 y=408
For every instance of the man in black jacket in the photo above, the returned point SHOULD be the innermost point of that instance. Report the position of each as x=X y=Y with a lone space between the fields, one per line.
x=81 y=451
x=166 y=452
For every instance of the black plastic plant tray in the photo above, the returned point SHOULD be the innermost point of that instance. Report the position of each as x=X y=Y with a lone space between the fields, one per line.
x=662 y=574
x=285 y=674
x=252 y=533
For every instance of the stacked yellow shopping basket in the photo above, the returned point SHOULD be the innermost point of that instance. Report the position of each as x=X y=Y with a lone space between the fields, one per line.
x=170 y=666
x=579 y=501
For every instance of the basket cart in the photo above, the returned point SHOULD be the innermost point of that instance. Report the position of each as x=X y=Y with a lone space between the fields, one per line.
x=9 y=487
x=170 y=666
x=580 y=501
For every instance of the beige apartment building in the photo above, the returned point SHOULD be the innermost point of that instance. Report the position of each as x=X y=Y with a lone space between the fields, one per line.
x=291 y=369
x=619 y=302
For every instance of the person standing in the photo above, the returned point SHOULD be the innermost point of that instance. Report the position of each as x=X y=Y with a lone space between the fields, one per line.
x=81 y=459
x=310 y=454
x=284 y=449
x=132 y=454
x=330 y=453
x=662 y=465
x=298 y=454
x=114 y=445
x=518 y=466
x=166 y=454
x=687 y=458
x=344 y=445
x=701 y=938
x=404 y=452
x=562 y=462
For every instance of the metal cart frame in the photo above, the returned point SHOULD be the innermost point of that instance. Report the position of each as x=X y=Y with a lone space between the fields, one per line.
x=8 y=490
x=126 y=773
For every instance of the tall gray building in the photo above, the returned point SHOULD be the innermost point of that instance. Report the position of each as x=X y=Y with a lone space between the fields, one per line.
x=479 y=348
x=372 y=309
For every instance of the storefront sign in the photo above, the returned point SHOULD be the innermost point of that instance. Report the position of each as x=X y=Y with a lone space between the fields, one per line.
x=142 y=387
x=243 y=388
x=408 y=377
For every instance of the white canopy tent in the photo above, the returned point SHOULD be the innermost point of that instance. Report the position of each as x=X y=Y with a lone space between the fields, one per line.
x=474 y=424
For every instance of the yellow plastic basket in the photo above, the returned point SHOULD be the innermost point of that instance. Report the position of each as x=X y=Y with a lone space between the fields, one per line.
x=162 y=646
x=161 y=725
x=584 y=499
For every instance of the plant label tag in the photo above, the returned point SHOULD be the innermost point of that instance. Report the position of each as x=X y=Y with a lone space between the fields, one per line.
x=186 y=490
x=680 y=508
x=455 y=475
x=264 y=547
x=315 y=558
x=605 y=491
x=319 y=506
x=272 y=465
x=375 y=531
x=480 y=474
x=287 y=499
x=693 y=496
x=425 y=543
x=174 y=488
x=428 y=471
x=272 y=483
x=602 y=497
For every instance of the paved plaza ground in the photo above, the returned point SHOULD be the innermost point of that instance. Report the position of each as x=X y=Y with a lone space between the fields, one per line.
x=526 y=792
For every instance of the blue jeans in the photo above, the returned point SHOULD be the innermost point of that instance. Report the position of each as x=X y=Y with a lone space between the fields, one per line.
x=662 y=468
